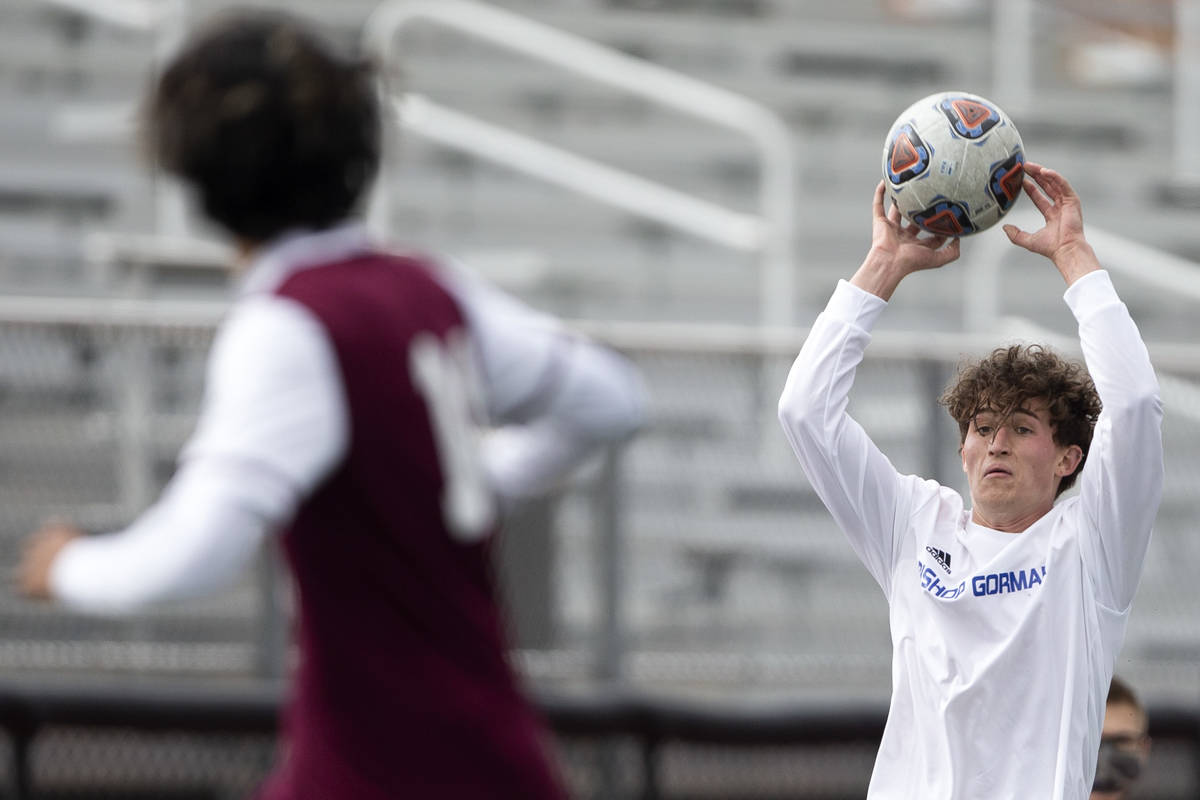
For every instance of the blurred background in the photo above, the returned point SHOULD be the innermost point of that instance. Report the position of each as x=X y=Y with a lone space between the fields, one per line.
x=684 y=179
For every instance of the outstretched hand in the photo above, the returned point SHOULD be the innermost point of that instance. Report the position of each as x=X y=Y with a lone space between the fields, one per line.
x=1061 y=239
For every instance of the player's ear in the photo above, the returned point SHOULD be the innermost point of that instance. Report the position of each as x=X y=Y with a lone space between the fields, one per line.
x=1069 y=461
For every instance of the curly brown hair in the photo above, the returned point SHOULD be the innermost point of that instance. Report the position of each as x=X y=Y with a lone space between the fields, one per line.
x=1011 y=375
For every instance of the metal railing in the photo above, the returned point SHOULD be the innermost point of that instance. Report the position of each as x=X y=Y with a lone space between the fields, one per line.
x=770 y=233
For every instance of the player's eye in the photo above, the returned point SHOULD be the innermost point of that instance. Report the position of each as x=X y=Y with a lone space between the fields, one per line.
x=983 y=430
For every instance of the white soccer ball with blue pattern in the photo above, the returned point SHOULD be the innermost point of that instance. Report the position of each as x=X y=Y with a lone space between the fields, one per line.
x=953 y=163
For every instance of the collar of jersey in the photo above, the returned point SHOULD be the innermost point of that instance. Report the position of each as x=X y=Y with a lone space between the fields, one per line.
x=299 y=249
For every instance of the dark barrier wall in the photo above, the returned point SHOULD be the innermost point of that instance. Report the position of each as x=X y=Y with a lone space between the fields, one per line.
x=635 y=741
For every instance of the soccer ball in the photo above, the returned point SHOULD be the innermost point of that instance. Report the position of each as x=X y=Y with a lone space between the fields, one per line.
x=953 y=163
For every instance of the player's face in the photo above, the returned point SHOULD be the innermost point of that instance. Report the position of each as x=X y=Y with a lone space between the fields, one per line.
x=1014 y=466
x=1125 y=729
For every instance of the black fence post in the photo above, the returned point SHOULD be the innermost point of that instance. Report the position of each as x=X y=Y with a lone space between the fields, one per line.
x=650 y=752
x=22 y=742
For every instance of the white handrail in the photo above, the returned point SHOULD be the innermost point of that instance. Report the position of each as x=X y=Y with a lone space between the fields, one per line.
x=118 y=312
x=771 y=136
x=658 y=337
x=89 y=122
x=143 y=15
x=599 y=181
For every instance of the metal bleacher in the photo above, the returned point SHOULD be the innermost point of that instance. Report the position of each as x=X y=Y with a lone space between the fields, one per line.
x=730 y=555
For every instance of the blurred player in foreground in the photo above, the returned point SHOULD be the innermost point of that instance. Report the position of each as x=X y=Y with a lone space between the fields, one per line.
x=1007 y=614
x=1124 y=743
x=338 y=408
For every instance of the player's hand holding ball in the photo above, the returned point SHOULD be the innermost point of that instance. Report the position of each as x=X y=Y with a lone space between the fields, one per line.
x=900 y=243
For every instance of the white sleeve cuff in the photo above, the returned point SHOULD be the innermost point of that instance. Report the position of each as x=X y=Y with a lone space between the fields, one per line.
x=855 y=306
x=1091 y=293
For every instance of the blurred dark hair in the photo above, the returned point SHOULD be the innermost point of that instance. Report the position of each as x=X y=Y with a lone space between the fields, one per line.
x=1012 y=375
x=271 y=127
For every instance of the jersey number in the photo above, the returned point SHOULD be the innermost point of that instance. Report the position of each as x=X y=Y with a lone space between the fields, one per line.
x=442 y=373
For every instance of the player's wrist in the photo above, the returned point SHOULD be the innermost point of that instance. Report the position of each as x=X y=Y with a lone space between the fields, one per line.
x=880 y=273
x=1075 y=259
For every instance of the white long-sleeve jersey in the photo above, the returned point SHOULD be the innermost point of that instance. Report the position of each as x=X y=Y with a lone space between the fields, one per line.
x=1003 y=644
x=274 y=423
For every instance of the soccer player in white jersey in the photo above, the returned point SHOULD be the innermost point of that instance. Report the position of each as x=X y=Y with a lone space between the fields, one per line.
x=1007 y=610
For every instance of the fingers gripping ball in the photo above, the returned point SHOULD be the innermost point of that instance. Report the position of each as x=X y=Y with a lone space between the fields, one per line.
x=953 y=163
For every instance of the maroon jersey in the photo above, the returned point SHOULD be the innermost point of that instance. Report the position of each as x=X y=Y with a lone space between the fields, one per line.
x=403 y=687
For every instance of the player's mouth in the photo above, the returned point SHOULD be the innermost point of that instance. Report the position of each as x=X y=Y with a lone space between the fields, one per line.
x=993 y=472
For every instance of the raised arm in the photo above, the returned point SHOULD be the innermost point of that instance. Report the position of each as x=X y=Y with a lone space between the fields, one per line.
x=854 y=480
x=1121 y=484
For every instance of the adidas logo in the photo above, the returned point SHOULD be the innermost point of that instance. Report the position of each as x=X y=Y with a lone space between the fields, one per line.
x=941 y=556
